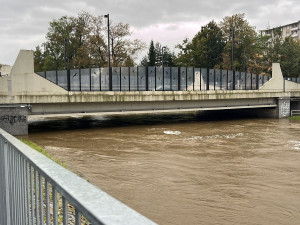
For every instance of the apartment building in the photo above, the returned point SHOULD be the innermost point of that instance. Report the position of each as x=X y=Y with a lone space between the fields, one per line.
x=292 y=30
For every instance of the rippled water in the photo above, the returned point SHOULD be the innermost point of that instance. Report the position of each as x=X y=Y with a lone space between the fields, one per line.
x=182 y=170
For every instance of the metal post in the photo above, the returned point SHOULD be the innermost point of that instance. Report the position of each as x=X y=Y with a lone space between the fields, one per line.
x=155 y=78
x=233 y=80
x=7 y=199
x=163 y=79
x=147 y=78
x=108 y=48
x=232 y=46
x=207 y=79
x=65 y=53
x=162 y=55
x=178 y=76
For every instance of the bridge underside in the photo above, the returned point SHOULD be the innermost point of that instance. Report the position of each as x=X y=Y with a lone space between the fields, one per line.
x=189 y=105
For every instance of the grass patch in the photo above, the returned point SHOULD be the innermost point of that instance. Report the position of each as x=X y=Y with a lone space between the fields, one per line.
x=295 y=117
x=42 y=150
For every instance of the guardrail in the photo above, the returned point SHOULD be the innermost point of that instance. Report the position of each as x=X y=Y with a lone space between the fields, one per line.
x=154 y=79
x=295 y=113
x=36 y=190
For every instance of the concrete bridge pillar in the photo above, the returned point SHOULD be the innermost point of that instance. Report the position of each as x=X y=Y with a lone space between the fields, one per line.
x=283 y=107
x=13 y=119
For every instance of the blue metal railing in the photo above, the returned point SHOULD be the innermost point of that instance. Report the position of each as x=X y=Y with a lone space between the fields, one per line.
x=36 y=190
x=154 y=79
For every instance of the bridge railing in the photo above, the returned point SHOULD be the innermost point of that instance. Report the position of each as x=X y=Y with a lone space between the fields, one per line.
x=36 y=190
x=154 y=79
x=293 y=79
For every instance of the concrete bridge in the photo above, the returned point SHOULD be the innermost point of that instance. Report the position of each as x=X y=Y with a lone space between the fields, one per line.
x=23 y=92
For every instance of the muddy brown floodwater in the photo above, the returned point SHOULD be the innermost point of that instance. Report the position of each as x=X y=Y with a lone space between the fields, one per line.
x=186 y=171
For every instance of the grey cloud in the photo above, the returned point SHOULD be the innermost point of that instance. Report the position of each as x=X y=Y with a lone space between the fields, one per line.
x=25 y=22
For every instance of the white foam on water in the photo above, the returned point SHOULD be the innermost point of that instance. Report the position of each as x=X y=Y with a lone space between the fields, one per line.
x=172 y=132
x=296 y=145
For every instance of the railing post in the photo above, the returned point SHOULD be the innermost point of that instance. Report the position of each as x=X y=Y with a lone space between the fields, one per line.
x=163 y=78
x=6 y=184
x=69 y=80
x=147 y=78
x=80 y=79
x=155 y=78
x=214 y=79
x=207 y=79
x=233 y=79
x=178 y=76
x=110 y=78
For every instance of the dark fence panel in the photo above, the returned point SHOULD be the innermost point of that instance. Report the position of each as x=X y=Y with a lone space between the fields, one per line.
x=155 y=79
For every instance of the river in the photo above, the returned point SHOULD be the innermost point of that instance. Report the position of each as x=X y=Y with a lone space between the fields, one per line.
x=183 y=169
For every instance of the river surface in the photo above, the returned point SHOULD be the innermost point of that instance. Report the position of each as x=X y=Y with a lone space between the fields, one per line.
x=179 y=169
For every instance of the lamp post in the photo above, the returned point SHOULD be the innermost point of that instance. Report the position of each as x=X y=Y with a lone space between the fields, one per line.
x=162 y=57
x=232 y=45
x=65 y=52
x=108 y=48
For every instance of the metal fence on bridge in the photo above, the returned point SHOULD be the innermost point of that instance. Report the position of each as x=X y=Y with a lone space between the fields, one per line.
x=154 y=79
x=35 y=191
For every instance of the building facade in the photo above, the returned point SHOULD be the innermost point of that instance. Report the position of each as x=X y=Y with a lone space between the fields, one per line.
x=292 y=30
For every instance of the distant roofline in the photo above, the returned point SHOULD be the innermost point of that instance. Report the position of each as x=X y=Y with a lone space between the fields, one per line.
x=280 y=26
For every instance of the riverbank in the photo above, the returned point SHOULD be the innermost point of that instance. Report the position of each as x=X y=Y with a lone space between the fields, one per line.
x=295 y=117
x=43 y=151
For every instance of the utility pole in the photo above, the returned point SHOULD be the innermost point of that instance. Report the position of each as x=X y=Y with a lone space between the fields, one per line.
x=108 y=48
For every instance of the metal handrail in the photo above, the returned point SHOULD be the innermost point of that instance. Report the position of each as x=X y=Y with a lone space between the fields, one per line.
x=31 y=184
x=295 y=112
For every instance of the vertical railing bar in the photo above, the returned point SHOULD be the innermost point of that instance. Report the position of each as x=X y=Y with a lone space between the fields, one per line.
x=41 y=200
x=178 y=78
x=77 y=217
x=90 y=78
x=221 y=76
x=14 y=200
x=120 y=80
x=147 y=78
x=186 y=78
x=6 y=175
x=80 y=79
x=56 y=77
x=21 y=189
x=129 y=78
x=16 y=180
x=163 y=78
x=193 y=78
x=65 y=211
x=28 y=193
x=207 y=79
x=214 y=79
x=31 y=193
x=100 y=79
x=200 y=79
x=137 y=79
x=36 y=195
x=47 y=202
x=54 y=200
x=155 y=78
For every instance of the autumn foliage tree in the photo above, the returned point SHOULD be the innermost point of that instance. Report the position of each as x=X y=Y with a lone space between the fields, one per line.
x=82 y=40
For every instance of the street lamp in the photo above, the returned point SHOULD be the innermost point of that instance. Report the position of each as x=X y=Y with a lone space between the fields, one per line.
x=232 y=44
x=108 y=47
x=162 y=58
x=65 y=52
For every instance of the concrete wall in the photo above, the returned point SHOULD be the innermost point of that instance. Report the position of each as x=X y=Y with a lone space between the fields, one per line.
x=25 y=82
x=13 y=119
x=277 y=82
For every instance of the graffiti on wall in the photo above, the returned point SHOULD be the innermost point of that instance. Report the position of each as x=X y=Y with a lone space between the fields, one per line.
x=12 y=119
x=285 y=109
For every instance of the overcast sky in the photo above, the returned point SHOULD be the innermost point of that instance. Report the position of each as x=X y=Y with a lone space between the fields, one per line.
x=24 y=23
